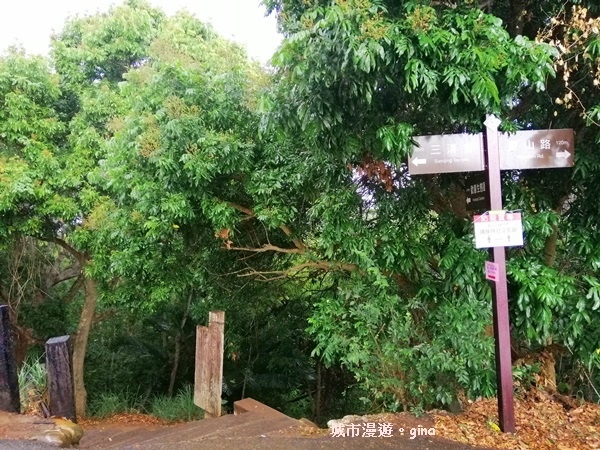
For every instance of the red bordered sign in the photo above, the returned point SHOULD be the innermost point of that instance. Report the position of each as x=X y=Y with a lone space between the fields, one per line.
x=498 y=229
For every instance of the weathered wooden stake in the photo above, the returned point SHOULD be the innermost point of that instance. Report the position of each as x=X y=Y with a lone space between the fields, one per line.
x=9 y=383
x=60 y=378
x=209 y=364
x=504 y=383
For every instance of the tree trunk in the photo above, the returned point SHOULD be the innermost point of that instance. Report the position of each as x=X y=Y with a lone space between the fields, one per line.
x=550 y=247
x=178 y=342
x=319 y=396
x=175 y=364
x=80 y=345
x=22 y=341
x=547 y=361
x=518 y=9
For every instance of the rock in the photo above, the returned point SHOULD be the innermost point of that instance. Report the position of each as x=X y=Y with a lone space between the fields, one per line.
x=347 y=420
x=73 y=431
x=455 y=407
x=55 y=438
x=308 y=423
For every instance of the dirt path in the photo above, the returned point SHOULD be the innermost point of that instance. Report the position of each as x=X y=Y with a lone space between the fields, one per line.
x=542 y=424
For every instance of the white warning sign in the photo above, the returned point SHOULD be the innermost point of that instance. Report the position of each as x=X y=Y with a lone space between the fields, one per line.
x=498 y=229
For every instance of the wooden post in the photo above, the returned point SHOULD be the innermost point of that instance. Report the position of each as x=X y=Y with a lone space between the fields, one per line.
x=60 y=378
x=209 y=364
x=506 y=408
x=9 y=383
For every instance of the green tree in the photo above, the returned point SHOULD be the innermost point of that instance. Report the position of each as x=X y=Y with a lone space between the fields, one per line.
x=356 y=79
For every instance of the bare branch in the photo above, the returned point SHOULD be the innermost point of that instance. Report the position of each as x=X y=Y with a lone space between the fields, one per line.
x=243 y=209
x=266 y=248
x=294 y=270
x=297 y=242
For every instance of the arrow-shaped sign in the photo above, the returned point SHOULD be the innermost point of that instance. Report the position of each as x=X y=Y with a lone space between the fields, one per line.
x=536 y=149
x=418 y=161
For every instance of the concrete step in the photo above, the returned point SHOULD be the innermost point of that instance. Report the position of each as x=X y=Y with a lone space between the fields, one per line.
x=251 y=418
x=229 y=426
x=193 y=429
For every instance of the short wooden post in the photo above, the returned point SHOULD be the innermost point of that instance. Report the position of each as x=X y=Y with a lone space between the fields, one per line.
x=9 y=383
x=209 y=364
x=60 y=377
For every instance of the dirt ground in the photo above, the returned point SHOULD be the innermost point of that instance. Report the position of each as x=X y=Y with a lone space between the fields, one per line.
x=542 y=422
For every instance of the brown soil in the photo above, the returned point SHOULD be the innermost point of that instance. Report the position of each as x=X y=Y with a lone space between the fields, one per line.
x=126 y=420
x=543 y=423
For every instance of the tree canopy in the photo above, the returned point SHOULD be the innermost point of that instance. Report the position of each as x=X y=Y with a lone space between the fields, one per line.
x=164 y=174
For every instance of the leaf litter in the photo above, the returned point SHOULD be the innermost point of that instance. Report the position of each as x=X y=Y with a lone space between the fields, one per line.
x=542 y=423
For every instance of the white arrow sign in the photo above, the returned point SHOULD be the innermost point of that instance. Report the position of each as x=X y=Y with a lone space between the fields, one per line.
x=418 y=161
x=564 y=154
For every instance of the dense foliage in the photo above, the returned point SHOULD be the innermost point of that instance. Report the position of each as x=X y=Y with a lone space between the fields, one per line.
x=150 y=173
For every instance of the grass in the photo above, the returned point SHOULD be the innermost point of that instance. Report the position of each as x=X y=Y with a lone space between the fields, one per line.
x=108 y=404
x=178 y=408
x=32 y=385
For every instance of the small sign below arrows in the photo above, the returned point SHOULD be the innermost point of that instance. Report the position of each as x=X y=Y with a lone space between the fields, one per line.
x=477 y=192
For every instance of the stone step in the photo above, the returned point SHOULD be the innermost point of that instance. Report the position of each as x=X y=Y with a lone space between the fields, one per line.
x=251 y=419
x=203 y=429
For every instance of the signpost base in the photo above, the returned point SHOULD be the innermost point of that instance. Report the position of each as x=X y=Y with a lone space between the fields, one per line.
x=504 y=383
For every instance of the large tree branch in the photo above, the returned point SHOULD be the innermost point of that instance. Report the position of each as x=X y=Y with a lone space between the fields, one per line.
x=243 y=209
x=266 y=248
x=286 y=230
x=402 y=281
x=79 y=256
x=71 y=272
x=294 y=270
x=75 y=287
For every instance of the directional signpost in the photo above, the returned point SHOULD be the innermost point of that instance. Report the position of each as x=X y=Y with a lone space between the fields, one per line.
x=504 y=384
x=493 y=151
x=529 y=149
x=536 y=149
x=447 y=153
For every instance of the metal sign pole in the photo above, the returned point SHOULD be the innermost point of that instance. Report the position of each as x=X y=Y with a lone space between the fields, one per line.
x=506 y=409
